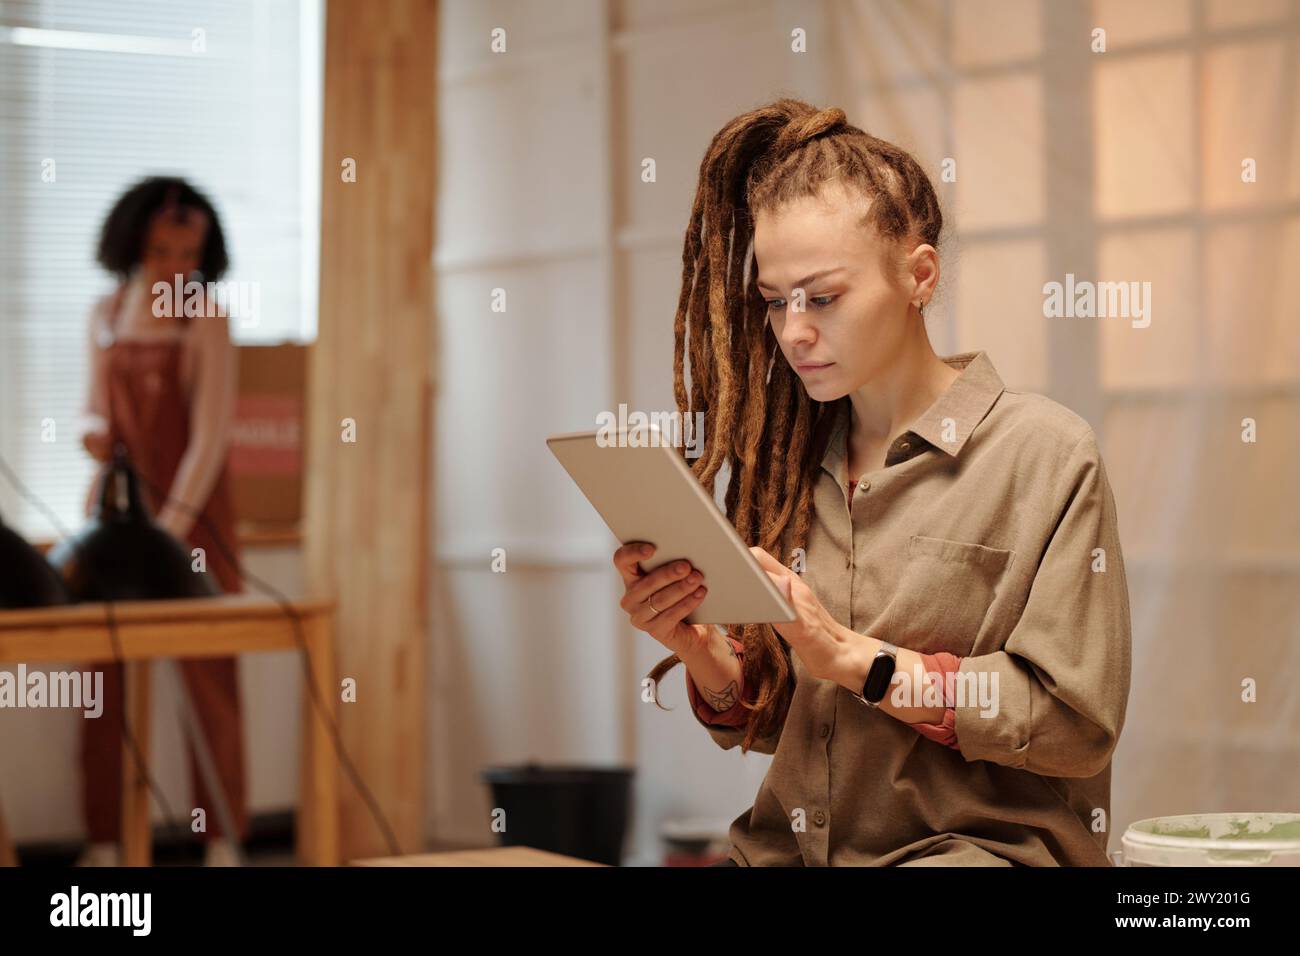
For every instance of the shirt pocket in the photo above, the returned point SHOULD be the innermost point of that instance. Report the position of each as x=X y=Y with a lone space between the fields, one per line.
x=944 y=594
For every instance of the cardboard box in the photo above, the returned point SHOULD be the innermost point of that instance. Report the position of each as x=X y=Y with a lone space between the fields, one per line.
x=266 y=450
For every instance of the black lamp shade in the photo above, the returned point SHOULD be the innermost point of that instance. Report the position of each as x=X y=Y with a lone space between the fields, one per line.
x=121 y=554
x=26 y=580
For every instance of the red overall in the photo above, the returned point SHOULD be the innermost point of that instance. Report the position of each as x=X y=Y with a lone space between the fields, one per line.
x=149 y=412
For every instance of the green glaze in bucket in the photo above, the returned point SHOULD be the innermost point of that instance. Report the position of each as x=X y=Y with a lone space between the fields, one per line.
x=1214 y=839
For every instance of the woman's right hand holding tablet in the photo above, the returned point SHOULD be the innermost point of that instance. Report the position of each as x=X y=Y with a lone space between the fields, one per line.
x=658 y=601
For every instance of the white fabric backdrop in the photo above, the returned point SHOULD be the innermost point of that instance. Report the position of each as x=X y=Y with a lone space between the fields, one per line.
x=1127 y=165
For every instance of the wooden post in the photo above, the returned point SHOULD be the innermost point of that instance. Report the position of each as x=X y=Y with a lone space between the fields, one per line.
x=318 y=815
x=137 y=834
x=367 y=475
x=8 y=857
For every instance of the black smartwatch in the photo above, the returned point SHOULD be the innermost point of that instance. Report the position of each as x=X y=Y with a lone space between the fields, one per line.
x=880 y=675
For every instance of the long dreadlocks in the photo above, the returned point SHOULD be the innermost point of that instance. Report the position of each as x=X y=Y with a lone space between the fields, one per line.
x=769 y=433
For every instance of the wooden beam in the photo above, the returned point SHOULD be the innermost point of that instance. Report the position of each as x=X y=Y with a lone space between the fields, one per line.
x=137 y=834
x=366 y=529
x=8 y=856
x=317 y=829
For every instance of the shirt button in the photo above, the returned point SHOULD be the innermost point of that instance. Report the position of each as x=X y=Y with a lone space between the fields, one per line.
x=819 y=818
x=825 y=730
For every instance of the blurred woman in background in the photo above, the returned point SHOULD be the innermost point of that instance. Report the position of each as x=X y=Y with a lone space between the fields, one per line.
x=163 y=385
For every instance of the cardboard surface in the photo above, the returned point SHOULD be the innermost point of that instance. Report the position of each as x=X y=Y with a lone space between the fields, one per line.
x=266 y=449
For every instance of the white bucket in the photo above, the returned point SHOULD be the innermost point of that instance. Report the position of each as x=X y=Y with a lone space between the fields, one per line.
x=1214 y=839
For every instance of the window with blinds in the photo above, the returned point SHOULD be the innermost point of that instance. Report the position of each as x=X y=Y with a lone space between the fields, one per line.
x=94 y=96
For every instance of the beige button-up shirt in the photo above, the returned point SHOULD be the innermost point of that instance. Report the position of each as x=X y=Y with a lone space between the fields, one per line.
x=989 y=533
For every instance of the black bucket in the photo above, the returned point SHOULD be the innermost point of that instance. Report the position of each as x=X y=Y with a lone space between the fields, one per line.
x=577 y=811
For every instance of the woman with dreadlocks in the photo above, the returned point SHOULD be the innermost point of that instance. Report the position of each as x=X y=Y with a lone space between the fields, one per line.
x=957 y=677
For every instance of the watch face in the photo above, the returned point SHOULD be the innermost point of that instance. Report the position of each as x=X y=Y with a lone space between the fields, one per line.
x=878 y=678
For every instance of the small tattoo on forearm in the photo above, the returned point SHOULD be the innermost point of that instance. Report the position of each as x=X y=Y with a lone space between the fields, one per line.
x=721 y=700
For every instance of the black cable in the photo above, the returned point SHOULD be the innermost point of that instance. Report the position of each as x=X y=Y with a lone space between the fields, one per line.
x=128 y=734
x=275 y=594
x=285 y=605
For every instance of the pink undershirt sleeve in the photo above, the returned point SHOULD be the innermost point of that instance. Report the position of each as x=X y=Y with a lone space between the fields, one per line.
x=736 y=715
x=937 y=668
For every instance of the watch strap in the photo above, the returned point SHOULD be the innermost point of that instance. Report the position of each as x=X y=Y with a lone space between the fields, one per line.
x=880 y=675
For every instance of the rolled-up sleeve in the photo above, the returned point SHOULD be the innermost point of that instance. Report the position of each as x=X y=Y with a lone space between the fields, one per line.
x=1059 y=687
x=728 y=728
x=735 y=716
x=212 y=415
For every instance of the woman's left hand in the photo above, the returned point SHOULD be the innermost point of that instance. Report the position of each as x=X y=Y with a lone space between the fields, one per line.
x=818 y=639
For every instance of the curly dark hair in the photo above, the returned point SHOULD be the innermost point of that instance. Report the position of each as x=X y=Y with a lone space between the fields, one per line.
x=121 y=241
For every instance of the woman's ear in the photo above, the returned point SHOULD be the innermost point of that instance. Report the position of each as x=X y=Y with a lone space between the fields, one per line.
x=923 y=271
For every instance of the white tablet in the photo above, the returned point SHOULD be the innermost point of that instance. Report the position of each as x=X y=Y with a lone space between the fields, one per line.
x=644 y=491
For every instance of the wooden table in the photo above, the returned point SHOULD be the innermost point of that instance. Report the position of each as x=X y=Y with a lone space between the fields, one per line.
x=195 y=627
x=488 y=856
